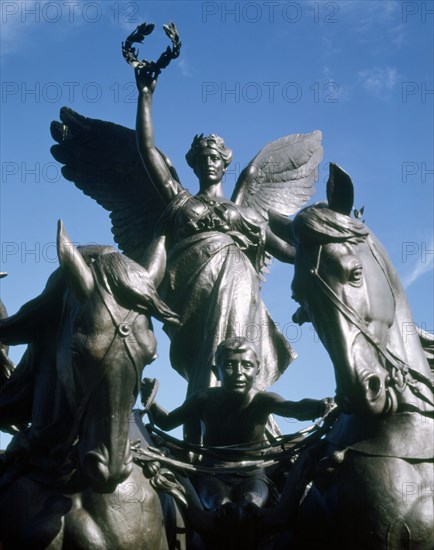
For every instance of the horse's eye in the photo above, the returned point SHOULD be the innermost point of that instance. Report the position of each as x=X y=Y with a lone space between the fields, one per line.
x=356 y=276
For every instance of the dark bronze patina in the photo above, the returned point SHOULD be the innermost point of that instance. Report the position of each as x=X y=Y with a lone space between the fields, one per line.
x=81 y=472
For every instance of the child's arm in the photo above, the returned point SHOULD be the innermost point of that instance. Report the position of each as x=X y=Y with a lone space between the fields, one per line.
x=169 y=420
x=306 y=409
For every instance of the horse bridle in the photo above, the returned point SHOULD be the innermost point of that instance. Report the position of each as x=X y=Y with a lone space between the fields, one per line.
x=401 y=375
x=122 y=331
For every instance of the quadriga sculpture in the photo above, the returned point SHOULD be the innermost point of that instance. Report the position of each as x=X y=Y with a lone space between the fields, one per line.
x=69 y=480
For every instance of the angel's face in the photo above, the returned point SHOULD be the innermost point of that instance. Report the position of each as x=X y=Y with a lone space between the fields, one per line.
x=209 y=167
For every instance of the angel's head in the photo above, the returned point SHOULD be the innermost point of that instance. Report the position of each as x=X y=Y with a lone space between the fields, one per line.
x=209 y=158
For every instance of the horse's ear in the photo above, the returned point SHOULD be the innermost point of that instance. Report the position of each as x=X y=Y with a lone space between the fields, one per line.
x=77 y=273
x=340 y=190
x=154 y=260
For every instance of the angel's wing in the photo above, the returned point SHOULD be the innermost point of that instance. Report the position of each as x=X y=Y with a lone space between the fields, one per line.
x=102 y=160
x=282 y=176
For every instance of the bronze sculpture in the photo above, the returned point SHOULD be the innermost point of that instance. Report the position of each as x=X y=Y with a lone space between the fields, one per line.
x=234 y=414
x=216 y=247
x=373 y=487
x=132 y=238
x=6 y=366
x=69 y=471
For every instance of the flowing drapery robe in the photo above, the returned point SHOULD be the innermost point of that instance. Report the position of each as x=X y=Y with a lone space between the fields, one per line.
x=215 y=253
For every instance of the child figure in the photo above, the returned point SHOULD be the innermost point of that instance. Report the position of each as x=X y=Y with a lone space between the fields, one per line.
x=236 y=414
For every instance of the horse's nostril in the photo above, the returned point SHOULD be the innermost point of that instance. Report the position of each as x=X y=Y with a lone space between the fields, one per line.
x=374 y=384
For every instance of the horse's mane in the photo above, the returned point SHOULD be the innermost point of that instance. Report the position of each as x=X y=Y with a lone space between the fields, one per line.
x=129 y=282
x=132 y=286
x=36 y=321
x=319 y=224
x=34 y=324
x=405 y=337
x=33 y=317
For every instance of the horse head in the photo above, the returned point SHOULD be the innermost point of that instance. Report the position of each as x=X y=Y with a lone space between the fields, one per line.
x=105 y=340
x=350 y=292
x=90 y=336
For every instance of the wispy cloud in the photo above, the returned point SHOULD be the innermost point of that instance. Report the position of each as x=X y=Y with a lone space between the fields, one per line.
x=370 y=11
x=398 y=35
x=10 y=29
x=338 y=89
x=30 y=19
x=330 y=47
x=184 y=67
x=373 y=20
x=424 y=264
x=379 y=80
x=25 y=19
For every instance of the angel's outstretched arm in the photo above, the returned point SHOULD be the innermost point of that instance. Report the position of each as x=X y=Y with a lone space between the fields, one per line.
x=277 y=247
x=278 y=237
x=154 y=163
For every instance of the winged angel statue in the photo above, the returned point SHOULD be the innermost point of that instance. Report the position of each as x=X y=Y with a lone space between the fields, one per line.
x=216 y=247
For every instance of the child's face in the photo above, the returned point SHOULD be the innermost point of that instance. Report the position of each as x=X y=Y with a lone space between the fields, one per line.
x=237 y=371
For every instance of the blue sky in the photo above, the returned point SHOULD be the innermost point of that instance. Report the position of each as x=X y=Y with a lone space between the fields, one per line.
x=360 y=71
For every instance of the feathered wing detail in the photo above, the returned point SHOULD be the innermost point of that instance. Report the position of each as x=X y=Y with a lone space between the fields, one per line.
x=282 y=176
x=102 y=160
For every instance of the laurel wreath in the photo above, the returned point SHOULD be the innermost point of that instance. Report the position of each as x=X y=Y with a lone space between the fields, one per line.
x=130 y=53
